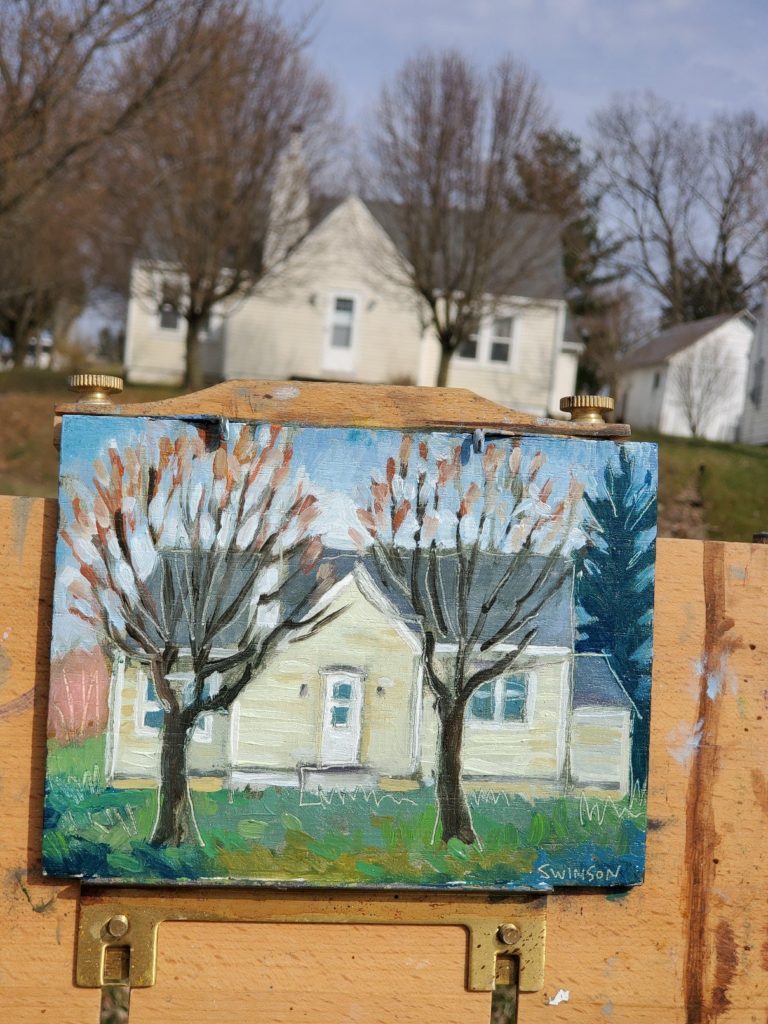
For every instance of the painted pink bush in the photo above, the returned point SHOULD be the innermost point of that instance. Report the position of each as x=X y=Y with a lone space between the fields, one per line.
x=78 y=707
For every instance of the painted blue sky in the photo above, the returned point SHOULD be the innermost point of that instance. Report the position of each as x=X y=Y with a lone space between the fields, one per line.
x=337 y=463
x=708 y=55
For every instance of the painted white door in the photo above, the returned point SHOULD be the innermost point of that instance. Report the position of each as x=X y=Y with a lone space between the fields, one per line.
x=340 y=743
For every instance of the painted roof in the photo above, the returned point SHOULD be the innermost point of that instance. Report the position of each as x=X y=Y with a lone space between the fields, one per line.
x=675 y=339
x=595 y=684
x=553 y=619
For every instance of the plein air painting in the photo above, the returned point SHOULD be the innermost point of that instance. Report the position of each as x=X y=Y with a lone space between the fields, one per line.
x=346 y=657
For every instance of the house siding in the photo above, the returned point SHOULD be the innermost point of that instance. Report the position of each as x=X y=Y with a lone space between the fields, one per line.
x=660 y=409
x=281 y=712
x=516 y=750
x=135 y=754
x=600 y=744
x=282 y=331
x=528 y=382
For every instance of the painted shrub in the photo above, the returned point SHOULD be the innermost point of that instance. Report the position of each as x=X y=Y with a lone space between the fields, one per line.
x=349 y=657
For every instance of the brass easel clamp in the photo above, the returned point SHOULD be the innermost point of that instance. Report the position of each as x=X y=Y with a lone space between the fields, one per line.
x=117 y=928
x=95 y=388
x=587 y=408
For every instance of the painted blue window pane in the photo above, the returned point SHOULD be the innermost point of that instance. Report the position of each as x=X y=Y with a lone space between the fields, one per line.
x=342 y=691
x=482 y=703
x=151 y=692
x=514 y=698
x=153 y=719
x=339 y=716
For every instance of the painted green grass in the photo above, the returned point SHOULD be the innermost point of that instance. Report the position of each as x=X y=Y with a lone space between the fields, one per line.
x=364 y=838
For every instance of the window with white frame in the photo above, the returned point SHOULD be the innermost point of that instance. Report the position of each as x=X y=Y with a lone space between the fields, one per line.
x=342 y=321
x=491 y=344
x=150 y=712
x=341 y=339
x=501 y=701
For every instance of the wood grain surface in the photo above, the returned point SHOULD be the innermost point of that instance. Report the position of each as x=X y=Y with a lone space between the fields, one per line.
x=350 y=405
x=688 y=947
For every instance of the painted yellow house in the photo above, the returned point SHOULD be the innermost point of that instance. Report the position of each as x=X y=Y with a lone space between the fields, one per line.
x=348 y=708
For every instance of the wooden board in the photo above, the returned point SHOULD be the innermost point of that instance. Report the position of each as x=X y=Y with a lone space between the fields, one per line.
x=691 y=945
x=350 y=405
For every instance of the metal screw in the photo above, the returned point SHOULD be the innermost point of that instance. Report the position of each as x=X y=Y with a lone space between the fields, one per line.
x=509 y=934
x=117 y=926
x=95 y=388
x=587 y=408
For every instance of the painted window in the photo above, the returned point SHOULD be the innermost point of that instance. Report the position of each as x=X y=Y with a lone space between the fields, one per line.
x=342 y=321
x=151 y=713
x=501 y=700
x=341 y=699
x=756 y=394
x=656 y=380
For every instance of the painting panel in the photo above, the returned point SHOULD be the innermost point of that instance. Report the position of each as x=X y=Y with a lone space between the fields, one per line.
x=343 y=657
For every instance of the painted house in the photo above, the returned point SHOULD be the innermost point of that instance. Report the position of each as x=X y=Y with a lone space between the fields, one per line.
x=700 y=367
x=754 y=424
x=348 y=707
x=331 y=305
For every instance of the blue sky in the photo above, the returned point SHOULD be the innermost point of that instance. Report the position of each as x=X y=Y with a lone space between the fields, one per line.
x=709 y=55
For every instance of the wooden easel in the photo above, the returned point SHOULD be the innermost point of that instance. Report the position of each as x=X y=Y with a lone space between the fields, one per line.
x=691 y=945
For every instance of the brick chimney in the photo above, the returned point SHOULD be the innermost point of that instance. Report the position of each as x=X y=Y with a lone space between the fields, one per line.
x=289 y=203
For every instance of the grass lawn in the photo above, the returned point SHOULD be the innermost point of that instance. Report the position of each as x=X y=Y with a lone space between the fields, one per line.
x=366 y=838
x=28 y=460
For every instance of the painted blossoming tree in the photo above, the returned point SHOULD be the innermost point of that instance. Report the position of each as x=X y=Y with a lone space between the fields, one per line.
x=476 y=552
x=185 y=551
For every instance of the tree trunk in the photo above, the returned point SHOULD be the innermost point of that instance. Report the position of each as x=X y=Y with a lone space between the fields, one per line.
x=193 y=379
x=442 y=370
x=455 y=816
x=175 y=823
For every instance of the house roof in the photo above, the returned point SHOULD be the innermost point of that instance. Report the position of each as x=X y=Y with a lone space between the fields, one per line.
x=530 y=260
x=675 y=339
x=534 y=573
x=595 y=684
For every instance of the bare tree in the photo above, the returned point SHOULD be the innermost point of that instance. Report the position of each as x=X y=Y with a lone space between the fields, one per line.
x=703 y=382
x=446 y=143
x=64 y=86
x=690 y=200
x=476 y=552
x=189 y=549
x=219 y=206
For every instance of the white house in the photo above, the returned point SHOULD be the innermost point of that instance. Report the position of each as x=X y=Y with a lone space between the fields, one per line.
x=331 y=308
x=691 y=378
x=754 y=424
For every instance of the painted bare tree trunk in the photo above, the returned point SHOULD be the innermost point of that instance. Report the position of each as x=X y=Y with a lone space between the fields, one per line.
x=175 y=823
x=455 y=816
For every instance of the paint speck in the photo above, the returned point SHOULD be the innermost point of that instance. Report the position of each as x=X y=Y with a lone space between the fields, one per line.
x=284 y=393
x=684 y=740
x=562 y=997
x=607 y=1009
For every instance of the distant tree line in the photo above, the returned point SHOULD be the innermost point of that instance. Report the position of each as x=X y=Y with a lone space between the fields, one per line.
x=150 y=127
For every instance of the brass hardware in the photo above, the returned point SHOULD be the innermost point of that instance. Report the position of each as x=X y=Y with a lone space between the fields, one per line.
x=486 y=918
x=95 y=388
x=117 y=926
x=509 y=934
x=587 y=408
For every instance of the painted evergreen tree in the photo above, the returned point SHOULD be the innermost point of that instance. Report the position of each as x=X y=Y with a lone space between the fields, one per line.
x=614 y=585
